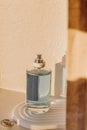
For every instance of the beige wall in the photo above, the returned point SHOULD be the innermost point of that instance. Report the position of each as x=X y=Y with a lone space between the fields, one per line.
x=28 y=27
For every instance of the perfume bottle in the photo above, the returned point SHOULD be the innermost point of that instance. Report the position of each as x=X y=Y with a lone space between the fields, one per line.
x=63 y=79
x=38 y=87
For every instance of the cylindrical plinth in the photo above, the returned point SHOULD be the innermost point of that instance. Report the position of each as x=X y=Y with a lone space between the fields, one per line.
x=53 y=119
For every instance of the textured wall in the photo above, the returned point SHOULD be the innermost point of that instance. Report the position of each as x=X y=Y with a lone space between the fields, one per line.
x=29 y=27
x=78 y=14
x=77 y=66
x=77 y=81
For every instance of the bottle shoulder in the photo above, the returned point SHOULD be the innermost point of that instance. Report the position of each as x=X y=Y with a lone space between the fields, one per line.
x=40 y=72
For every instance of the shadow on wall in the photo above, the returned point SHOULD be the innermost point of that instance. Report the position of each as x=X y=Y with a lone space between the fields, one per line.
x=78 y=14
x=77 y=104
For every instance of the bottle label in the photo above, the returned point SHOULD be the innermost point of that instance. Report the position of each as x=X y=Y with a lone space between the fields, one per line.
x=32 y=87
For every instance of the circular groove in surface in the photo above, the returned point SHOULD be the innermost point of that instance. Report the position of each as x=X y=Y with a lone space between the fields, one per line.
x=54 y=118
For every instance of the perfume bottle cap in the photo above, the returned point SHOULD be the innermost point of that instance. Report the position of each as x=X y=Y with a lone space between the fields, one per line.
x=39 y=62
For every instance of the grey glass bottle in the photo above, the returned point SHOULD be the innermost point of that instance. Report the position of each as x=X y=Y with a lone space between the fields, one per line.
x=38 y=87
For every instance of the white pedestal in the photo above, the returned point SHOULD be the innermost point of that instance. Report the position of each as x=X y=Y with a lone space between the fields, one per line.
x=53 y=119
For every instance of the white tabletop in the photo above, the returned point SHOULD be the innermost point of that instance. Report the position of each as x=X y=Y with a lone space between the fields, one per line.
x=8 y=100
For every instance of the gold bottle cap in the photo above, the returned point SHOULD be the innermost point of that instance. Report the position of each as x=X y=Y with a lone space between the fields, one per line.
x=39 y=62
